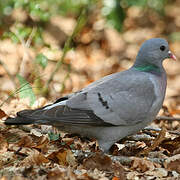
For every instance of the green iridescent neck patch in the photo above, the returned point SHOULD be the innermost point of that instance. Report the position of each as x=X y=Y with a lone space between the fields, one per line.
x=147 y=68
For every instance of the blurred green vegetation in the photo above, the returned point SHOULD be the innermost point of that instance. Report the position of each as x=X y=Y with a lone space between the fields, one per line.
x=42 y=10
x=37 y=14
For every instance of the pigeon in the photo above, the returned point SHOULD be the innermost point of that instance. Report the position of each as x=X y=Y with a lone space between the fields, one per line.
x=113 y=107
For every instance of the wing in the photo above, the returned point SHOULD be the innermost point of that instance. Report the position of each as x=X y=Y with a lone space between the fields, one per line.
x=57 y=116
x=125 y=99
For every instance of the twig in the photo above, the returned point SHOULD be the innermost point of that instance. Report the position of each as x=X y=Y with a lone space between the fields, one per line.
x=28 y=42
x=159 y=129
x=125 y=160
x=139 y=137
x=174 y=132
x=149 y=128
x=80 y=23
x=168 y=118
x=63 y=83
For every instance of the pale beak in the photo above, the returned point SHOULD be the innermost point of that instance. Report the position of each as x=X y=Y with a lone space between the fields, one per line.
x=172 y=56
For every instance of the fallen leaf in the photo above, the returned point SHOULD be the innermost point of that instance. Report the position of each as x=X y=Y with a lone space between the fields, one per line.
x=99 y=161
x=118 y=171
x=115 y=178
x=36 y=158
x=104 y=163
x=2 y=114
x=63 y=157
x=173 y=163
x=176 y=111
x=55 y=174
x=42 y=144
x=36 y=132
x=142 y=165
x=25 y=141
x=6 y=159
x=171 y=145
x=3 y=144
x=157 y=172
x=156 y=142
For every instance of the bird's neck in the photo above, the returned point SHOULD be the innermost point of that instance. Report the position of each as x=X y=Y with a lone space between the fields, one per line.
x=146 y=67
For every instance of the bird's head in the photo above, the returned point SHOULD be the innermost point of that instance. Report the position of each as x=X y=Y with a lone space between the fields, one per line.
x=154 y=51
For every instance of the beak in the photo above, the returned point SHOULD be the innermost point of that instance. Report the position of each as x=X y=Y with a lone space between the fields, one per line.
x=171 y=55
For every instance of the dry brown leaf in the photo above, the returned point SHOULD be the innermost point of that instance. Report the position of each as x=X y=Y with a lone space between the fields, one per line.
x=132 y=175
x=156 y=143
x=6 y=159
x=63 y=157
x=58 y=174
x=177 y=151
x=36 y=132
x=55 y=174
x=99 y=161
x=36 y=158
x=158 y=172
x=116 y=178
x=26 y=141
x=176 y=111
x=118 y=170
x=104 y=163
x=171 y=145
x=3 y=144
x=42 y=144
x=173 y=163
x=142 y=165
x=2 y=114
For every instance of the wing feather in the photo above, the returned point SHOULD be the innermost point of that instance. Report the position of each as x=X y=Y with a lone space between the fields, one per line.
x=60 y=115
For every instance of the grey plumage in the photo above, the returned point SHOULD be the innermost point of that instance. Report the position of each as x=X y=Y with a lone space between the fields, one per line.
x=114 y=106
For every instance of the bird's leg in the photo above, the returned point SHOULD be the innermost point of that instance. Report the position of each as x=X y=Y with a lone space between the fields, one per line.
x=105 y=145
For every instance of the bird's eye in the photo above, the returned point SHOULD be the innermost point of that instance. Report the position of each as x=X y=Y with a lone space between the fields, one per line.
x=162 y=48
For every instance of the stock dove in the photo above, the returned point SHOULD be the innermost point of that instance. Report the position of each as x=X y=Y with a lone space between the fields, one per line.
x=113 y=107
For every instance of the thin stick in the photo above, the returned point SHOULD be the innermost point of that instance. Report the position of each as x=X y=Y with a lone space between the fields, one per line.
x=168 y=118
x=159 y=129
x=28 y=42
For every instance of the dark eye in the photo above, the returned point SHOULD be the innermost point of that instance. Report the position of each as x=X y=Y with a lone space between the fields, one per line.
x=162 y=48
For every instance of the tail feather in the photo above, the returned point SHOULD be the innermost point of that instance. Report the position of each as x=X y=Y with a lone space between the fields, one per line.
x=22 y=118
x=57 y=115
x=18 y=121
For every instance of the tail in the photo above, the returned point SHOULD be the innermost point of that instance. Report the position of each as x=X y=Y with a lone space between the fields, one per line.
x=20 y=119
x=47 y=115
x=44 y=115
x=57 y=114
